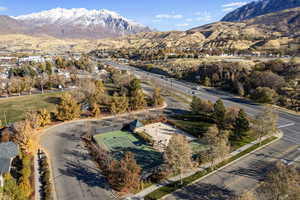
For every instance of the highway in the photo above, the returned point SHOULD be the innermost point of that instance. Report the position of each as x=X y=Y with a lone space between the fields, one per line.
x=245 y=174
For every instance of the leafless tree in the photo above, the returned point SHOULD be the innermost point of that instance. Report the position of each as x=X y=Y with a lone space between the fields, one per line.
x=265 y=123
x=178 y=154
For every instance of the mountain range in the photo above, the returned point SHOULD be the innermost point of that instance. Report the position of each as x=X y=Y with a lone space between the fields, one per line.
x=258 y=8
x=72 y=23
x=261 y=25
x=278 y=31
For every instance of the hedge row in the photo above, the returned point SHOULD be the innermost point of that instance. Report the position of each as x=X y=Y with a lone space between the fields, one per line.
x=146 y=137
x=45 y=179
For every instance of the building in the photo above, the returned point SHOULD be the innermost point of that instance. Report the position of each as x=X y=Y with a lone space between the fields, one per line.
x=135 y=125
x=37 y=59
x=8 y=151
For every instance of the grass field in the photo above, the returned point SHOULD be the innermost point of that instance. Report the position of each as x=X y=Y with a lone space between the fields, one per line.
x=119 y=142
x=15 y=108
x=195 y=128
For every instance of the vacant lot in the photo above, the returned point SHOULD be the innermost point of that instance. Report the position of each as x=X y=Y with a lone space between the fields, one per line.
x=15 y=108
x=119 y=142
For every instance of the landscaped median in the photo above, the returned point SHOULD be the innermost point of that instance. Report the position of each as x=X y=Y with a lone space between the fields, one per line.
x=172 y=187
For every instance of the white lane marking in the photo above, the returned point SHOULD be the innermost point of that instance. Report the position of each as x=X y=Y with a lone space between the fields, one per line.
x=295 y=160
x=287 y=125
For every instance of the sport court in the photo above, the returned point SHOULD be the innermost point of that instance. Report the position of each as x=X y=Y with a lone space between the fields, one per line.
x=119 y=142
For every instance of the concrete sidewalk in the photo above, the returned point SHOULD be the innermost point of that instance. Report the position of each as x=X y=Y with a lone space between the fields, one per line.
x=154 y=187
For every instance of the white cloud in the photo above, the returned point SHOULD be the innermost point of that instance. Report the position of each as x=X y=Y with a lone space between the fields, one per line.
x=168 y=16
x=189 y=20
x=182 y=25
x=3 y=8
x=234 y=4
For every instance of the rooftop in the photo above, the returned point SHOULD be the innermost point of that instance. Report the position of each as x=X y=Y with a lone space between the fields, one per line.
x=8 y=150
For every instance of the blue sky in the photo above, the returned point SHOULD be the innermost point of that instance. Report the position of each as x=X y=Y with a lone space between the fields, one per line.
x=160 y=14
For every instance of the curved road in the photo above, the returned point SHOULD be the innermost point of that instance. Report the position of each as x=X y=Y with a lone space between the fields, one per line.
x=74 y=173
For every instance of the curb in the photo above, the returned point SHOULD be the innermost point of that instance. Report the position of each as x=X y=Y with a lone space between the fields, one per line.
x=40 y=132
x=280 y=135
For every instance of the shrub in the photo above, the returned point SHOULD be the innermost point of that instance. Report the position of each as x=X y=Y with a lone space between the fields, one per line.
x=45 y=179
x=146 y=137
x=264 y=95
x=160 y=174
x=25 y=186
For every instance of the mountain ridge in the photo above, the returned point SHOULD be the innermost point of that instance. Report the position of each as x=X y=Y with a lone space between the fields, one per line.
x=259 y=8
x=272 y=33
x=73 y=23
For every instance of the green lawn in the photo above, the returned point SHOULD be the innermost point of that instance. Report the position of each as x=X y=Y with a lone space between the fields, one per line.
x=195 y=128
x=119 y=142
x=198 y=146
x=15 y=108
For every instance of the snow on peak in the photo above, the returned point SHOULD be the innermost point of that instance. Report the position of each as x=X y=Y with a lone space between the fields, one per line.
x=76 y=16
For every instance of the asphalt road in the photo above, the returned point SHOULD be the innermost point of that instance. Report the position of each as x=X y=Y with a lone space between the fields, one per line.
x=76 y=177
x=246 y=173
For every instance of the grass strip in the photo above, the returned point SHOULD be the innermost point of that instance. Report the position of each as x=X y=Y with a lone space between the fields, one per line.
x=172 y=187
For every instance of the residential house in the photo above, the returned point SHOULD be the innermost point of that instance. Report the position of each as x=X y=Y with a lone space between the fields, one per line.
x=8 y=151
x=134 y=125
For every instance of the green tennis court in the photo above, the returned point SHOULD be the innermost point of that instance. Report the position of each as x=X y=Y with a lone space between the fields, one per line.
x=119 y=142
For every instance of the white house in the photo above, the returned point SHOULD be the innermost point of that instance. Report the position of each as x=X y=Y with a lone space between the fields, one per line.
x=36 y=59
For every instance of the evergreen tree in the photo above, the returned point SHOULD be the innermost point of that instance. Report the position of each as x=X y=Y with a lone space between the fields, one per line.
x=241 y=125
x=199 y=106
x=219 y=114
x=134 y=87
x=195 y=105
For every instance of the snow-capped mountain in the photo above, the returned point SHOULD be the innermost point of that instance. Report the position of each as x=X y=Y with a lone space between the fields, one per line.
x=260 y=7
x=80 y=23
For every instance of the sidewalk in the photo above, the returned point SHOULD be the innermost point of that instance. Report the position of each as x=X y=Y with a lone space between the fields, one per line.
x=154 y=187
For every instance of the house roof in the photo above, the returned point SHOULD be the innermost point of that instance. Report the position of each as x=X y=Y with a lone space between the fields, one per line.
x=4 y=165
x=136 y=124
x=8 y=150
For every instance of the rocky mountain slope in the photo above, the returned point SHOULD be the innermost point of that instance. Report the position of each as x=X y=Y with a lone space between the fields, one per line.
x=10 y=25
x=258 y=8
x=72 y=23
x=277 y=31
